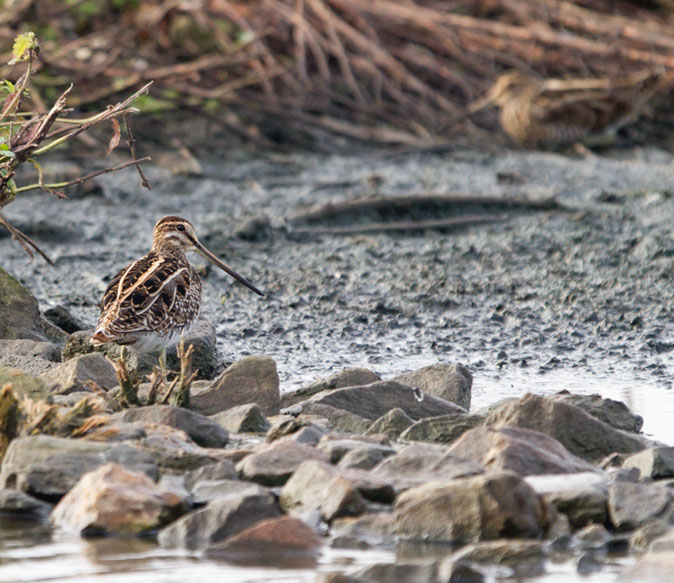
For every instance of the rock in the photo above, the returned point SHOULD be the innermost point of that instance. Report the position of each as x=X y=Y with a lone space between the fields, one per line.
x=615 y=413
x=525 y=557
x=319 y=486
x=309 y=435
x=72 y=375
x=417 y=464
x=139 y=364
x=582 y=497
x=336 y=449
x=654 y=462
x=25 y=386
x=334 y=578
x=459 y=572
x=373 y=400
x=365 y=457
x=418 y=571
x=60 y=316
x=175 y=452
x=114 y=500
x=370 y=487
x=205 y=355
x=252 y=379
x=582 y=434
x=47 y=467
x=17 y=503
x=374 y=529
x=443 y=429
x=219 y=520
x=633 y=505
x=339 y=418
x=275 y=463
x=206 y=491
x=222 y=470
x=285 y=542
x=243 y=419
x=351 y=377
x=451 y=382
x=651 y=535
x=391 y=424
x=593 y=536
x=204 y=431
x=484 y=507
x=19 y=312
x=652 y=568
x=522 y=451
x=29 y=348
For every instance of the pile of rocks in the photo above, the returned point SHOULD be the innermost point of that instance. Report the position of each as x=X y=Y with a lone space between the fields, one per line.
x=253 y=477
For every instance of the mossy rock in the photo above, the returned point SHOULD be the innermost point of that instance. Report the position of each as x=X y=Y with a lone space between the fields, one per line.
x=19 y=312
x=24 y=385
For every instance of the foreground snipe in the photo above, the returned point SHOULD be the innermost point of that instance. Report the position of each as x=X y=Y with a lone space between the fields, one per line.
x=551 y=112
x=151 y=302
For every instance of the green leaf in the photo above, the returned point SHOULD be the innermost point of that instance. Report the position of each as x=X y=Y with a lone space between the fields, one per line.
x=23 y=45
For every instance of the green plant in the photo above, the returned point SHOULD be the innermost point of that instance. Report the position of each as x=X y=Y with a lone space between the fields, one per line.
x=25 y=136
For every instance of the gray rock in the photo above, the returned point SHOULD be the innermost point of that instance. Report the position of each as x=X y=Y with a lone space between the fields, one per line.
x=373 y=529
x=205 y=355
x=655 y=536
x=47 y=467
x=28 y=348
x=525 y=557
x=365 y=457
x=17 y=503
x=664 y=540
x=243 y=419
x=25 y=385
x=72 y=375
x=391 y=424
x=593 y=536
x=219 y=520
x=654 y=462
x=582 y=434
x=374 y=400
x=418 y=571
x=484 y=507
x=114 y=500
x=652 y=568
x=339 y=418
x=60 y=316
x=222 y=470
x=351 y=377
x=336 y=449
x=205 y=491
x=252 y=379
x=451 y=382
x=443 y=429
x=417 y=464
x=633 y=505
x=19 y=312
x=523 y=451
x=204 y=431
x=582 y=497
x=459 y=572
x=274 y=464
x=309 y=435
x=319 y=486
x=615 y=413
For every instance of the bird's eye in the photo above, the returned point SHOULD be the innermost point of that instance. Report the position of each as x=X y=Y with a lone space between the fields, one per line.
x=180 y=227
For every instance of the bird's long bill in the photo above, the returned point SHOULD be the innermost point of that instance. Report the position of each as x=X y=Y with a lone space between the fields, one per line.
x=226 y=268
x=480 y=103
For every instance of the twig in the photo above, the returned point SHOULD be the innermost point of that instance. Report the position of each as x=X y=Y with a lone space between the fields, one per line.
x=24 y=240
x=129 y=389
x=82 y=179
x=131 y=142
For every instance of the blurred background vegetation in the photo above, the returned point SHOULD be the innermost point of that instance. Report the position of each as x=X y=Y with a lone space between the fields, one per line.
x=320 y=71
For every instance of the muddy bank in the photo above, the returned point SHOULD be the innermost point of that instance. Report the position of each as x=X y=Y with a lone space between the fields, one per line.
x=587 y=288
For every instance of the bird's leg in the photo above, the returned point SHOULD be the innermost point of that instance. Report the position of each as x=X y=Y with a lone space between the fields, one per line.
x=162 y=362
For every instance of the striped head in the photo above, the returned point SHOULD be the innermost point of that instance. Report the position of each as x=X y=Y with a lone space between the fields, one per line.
x=177 y=235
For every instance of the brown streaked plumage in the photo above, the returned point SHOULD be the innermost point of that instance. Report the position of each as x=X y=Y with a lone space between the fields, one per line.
x=551 y=112
x=151 y=302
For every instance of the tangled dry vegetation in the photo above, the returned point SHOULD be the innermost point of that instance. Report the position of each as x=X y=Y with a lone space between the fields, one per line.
x=398 y=71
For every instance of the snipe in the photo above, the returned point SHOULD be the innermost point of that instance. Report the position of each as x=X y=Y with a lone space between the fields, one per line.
x=152 y=302
x=552 y=112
